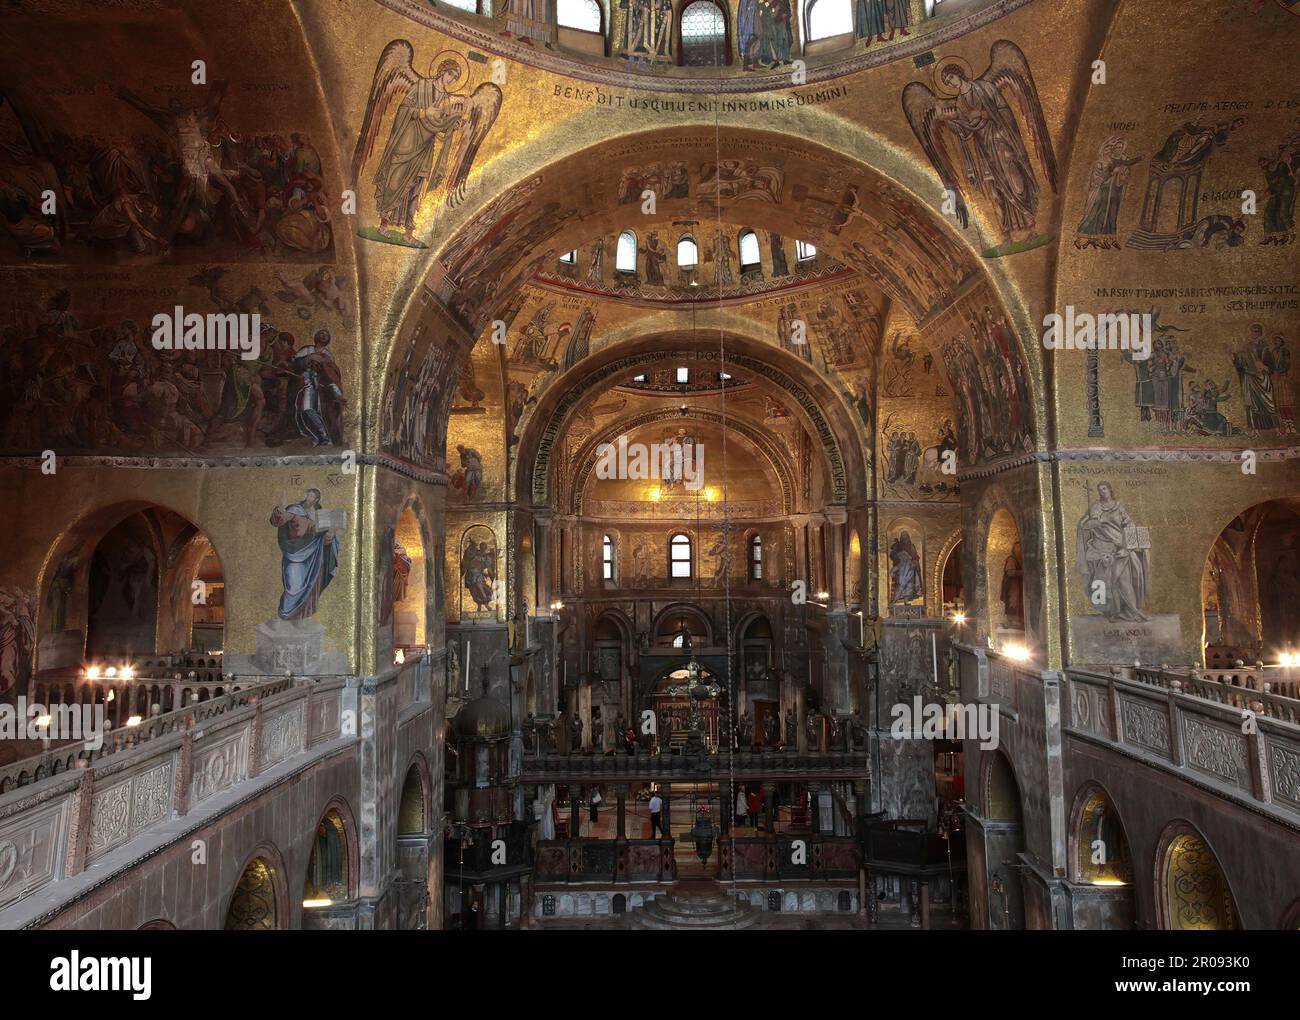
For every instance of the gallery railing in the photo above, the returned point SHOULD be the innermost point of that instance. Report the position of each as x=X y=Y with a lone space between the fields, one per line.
x=1224 y=734
x=784 y=858
x=551 y=766
x=1277 y=697
x=65 y=755
x=141 y=696
x=64 y=809
x=605 y=860
x=913 y=851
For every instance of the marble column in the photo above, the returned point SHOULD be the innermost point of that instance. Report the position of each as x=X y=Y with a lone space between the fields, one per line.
x=836 y=518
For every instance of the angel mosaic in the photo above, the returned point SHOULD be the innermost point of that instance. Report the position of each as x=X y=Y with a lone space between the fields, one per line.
x=434 y=138
x=973 y=113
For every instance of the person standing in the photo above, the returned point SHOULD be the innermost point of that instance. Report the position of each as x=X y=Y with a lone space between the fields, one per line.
x=753 y=803
x=593 y=802
x=742 y=806
x=656 y=815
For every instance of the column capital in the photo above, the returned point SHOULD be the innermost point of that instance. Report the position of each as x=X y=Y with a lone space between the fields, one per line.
x=836 y=514
x=543 y=516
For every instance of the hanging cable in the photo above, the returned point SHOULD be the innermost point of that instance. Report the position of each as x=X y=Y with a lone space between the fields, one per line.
x=726 y=519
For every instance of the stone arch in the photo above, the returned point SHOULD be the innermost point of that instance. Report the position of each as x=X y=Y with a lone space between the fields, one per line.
x=68 y=564
x=950 y=546
x=1192 y=891
x=767 y=448
x=548 y=422
x=414 y=808
x=1000 y=796
x=571 y=158
x=1250 y=586
x=691 y=614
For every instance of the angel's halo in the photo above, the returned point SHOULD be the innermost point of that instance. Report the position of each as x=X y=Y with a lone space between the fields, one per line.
x=937 y=73
x=459 y=60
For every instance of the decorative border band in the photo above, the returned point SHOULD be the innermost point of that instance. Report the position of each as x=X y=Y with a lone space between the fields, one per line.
x=1186 y=455
x=302 y=460
x=425 y=15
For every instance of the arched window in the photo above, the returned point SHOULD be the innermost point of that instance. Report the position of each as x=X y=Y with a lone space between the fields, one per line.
x=625 y=257
x=756 y=558
x=584 y=15
x=829 y=18
x=688 y=252
x=683 y=374
x=607 y=558
x=464 y=5
x=679 y=556
x=805 y=250
x=570 y=258
x=327 y=871
x=748 y=250
x=704 y=35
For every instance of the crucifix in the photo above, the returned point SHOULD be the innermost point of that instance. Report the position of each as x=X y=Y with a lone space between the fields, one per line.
x=696 y=690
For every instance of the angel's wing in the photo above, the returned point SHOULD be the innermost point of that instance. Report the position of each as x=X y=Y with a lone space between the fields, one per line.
x=921 y=106
x=1009 y=69
x=479 y=114
x=394 y=77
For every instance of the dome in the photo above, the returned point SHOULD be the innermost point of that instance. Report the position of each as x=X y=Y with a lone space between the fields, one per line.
x=483 y=717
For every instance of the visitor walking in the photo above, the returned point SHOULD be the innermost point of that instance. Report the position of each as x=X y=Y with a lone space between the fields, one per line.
x=656 y=814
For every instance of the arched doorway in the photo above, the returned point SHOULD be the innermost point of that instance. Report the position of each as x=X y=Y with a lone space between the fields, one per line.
x=122 y=600
x=1004 y=567
x=1100 y=859
x=256 y=904
x=1004 y=841
x=1192 y=893
x=402 y=613
x=329 y=880
x=153 y=582
x=1250 y=587
x=417 y=857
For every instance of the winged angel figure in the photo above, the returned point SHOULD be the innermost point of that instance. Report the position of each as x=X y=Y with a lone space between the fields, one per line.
x=975 y=112
x=435 y=136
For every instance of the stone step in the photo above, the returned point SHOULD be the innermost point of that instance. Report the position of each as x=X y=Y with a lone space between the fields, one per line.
x=670 y=904
x=699 y=911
